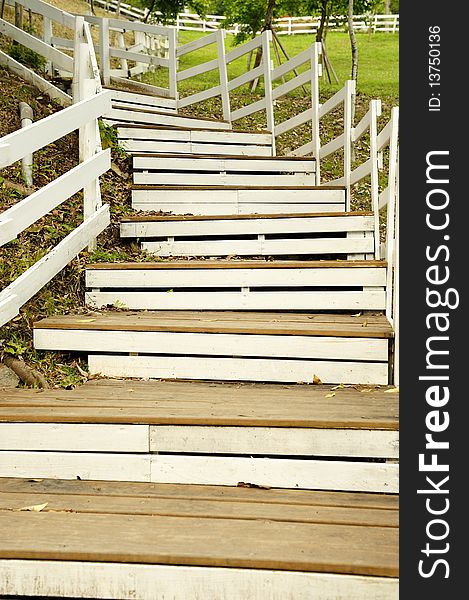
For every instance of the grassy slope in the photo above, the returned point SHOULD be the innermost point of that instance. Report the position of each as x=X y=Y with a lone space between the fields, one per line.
x=377 y=78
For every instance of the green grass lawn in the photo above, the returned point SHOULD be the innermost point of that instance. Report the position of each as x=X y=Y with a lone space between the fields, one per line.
x=378 y=68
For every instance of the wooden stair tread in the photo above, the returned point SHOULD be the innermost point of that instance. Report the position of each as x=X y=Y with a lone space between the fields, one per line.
x=351 y=549
x=179 y=403
x=140 y=218
x=134 y=88
x=160 y=188
x=165 y=127
x=157 y=112
x=198 y=492
x=226 y=156
x=240 y=264
x=224 y=322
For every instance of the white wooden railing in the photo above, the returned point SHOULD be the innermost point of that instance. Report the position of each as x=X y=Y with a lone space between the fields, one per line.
x=89 y=103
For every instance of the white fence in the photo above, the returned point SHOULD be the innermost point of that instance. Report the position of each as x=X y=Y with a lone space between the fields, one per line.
x=186 y=21
x=89 y=103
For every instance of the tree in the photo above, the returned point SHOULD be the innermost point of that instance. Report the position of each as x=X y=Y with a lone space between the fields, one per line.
x=169 y=9
x=353 y=40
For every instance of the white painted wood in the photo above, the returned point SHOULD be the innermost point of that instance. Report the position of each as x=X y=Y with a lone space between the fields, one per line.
x=173 y=63
x=240 y=277
x=53 y=127
x=253 y=300
x=239 y=369
x=333 y=102
x=244 y=49
x=351 y=476
x=122 y=581
x=139 y=26
x=155 y=118
x=199 y=97
x=132 y=105
x=60 y=59
x=26 y=212
x=154 y=102
x=32 y=280
x=195 y=148
x=56 y=14
x=286 y=441
x=140 y=57
x=196 y=44
x=290 y=65
x=46 y=87
x=70 y=465
x=144 y=88
x=261 y=247
x=208 y=136
x=223 y=75
x=209 y=179
x=232 y=136
x=232 y=164
x=227 y=209
x=332 y=146
x=249 y=109
x=294 y=122
x=104 y=45
x=245 y=78
x=76 y=437
x=292 y=84
x=248 y=226
x=219 y=344
x=197 y=70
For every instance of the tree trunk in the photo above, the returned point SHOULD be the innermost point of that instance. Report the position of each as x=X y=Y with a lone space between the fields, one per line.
x=118 y=9
x=387 y=7
x=322 y=21
x=353 y=41
x=18 y=16
x=150 y=10
x=269 y=15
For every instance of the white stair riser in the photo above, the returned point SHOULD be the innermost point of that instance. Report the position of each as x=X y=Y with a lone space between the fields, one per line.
x=239 y=369
x=169 y=147
x=286 y=441
x=226 y=202
x=204 y=179
x=218 y=344
x=260 y=247
x=248 y=226
x=235 y=277
x=272 y=472
x=144 y=100
x=229 y=165
x=194 y=136
x=216 y=300
x=154 y=118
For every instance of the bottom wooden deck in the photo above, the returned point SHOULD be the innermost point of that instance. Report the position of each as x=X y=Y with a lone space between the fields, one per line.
x=155 y=541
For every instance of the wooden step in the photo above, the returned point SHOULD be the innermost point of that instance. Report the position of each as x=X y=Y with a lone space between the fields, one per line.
x=219 y=171
x=193 y=138
x=314 y=234
x=155 y=541
x=284 y=436
x=277 y=347
x=234 y=200
x=238 y=285
x=128 y=99
x=147 y=116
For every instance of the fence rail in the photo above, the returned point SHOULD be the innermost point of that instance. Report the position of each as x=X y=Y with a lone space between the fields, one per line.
x=89 y=103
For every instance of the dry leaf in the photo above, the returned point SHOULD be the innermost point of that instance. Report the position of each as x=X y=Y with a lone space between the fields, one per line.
x=331 y=395
x=364 y=390
x=85 y=320
x=392 y=390
x=357 y=315
x=365 y=324
x=316 y=380
x=341 y=386
x=34 y=507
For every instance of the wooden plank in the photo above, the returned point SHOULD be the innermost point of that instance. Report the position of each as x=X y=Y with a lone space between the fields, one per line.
x=263 y=247
x=45 y=86
x=209 y=65
x=126 y=489
x=292 y=63
x=270 y=441
x=251 y=300
x=349 y=217
x=239 y=369
x=219 y=164
x=184 y=582
x=277 y=472
x=187 y=541
x=199 y=97
x=26 y=212
x=224 y=322
x=154 y=342
x=249 y=109
x=140 y=57
x=201 y=508
x=133 y=97
x=73 y=465
x=217 y=179
x=157 y=582
x=226 y=209
x=87 y=437
x=155 y=118
x=196 y=44
x=51 y=128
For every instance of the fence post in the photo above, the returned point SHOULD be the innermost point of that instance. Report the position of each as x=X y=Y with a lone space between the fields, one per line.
x=121 y=44
x=348 y=124
x=172 y=45
x=375 y=112
x=315 y=136
x=47 y=37
x=84 y=86
x=223 y=74
x=104 y=51
x=269 y=101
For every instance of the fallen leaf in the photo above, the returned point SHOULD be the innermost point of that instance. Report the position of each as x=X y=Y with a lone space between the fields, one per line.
x=364 y=390
x=86 y=320
x=331 y=395
x=316 y=380
x=34 y=507
x=392 y=390
x=341 y=386
x=357 y=315
x=365 y=324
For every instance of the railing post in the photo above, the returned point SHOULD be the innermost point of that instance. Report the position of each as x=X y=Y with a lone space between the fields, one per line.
x=84 y=86
x=47 y=38
x=223 y=74
x=269 y=101
x=375 y=112
x=315 y=136
x=348 y=124
x=104 y=51
x=172 y=45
